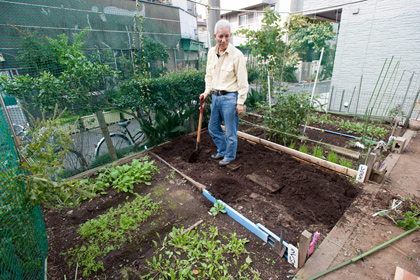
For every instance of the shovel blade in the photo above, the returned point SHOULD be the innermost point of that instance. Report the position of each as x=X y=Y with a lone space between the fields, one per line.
x=194 y=156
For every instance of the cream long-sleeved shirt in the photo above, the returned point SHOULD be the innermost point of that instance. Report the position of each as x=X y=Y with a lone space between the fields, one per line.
x=228 y=72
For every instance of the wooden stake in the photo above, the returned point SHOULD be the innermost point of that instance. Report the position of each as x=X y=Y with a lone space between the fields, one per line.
x=305 y=240
x=105 y=133
x=371 y=161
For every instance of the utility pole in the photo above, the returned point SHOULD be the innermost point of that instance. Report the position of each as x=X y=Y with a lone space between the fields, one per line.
x=213 y=17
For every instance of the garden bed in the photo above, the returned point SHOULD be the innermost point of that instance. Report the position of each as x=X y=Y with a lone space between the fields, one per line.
x=182 y=206
x=307 y=198
x=303 y=197
x=323 y=131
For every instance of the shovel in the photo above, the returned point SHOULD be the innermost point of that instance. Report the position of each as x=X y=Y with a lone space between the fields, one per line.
x=196 y=152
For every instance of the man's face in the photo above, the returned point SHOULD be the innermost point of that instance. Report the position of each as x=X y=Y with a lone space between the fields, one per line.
x=222 y=37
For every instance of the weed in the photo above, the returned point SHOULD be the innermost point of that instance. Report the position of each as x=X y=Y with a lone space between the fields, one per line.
x=292 y=145
x=171 y=175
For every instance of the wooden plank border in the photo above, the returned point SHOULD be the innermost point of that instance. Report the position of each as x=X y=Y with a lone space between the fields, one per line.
x=321 y=162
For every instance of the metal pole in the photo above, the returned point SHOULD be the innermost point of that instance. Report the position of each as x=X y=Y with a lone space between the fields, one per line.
x=412 y=108
x=10 y=123
x=313 y=90
x=379 y=91
x=214 y=16
x=390 y=78
x=331 y=95
x=342 y=97
x=360 y=87
x=316 y=77
x=348 y=108
x=405 y=96
x=364 y=254
x=373 y=92
x=390 y=102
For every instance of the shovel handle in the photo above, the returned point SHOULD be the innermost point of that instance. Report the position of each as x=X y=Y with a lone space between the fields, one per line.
x=200 y=120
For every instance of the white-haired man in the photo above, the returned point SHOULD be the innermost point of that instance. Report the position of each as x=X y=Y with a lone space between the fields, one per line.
x=227 y=81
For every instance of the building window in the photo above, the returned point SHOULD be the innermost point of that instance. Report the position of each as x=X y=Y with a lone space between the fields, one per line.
x=242 y=20
x=251 y=18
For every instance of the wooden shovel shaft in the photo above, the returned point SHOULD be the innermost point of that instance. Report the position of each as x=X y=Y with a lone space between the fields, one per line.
x=199 y=127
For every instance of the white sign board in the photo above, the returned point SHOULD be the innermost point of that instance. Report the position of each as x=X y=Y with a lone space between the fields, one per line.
x=361 y=173
x=292 y=255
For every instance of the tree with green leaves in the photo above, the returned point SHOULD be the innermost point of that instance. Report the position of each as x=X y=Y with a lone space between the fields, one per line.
x=266 y=44
x=307 y=37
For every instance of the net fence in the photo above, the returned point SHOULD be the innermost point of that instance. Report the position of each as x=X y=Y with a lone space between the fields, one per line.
x=23 y=240
x=86 y=59
x=75 y=54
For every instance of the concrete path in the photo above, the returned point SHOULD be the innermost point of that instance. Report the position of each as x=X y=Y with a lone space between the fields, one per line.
x=358 y=231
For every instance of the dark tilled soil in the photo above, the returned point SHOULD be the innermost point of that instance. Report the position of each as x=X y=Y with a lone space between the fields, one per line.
x=308 y=198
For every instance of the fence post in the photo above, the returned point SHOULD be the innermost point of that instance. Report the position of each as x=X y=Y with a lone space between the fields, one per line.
x=105 y=133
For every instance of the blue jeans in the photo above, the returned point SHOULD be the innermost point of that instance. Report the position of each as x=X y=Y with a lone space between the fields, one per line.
x=223 y=109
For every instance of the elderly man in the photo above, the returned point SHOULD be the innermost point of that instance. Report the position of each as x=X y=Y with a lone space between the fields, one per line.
x=227 y=81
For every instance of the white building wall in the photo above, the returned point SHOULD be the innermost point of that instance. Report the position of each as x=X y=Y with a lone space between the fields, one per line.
x=188 y=25
x=371 y=32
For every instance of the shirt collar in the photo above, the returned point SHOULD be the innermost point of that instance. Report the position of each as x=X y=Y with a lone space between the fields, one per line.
x=228 y=49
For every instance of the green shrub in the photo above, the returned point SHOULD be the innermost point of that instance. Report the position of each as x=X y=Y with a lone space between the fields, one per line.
x=285 y=117
x=332 y=157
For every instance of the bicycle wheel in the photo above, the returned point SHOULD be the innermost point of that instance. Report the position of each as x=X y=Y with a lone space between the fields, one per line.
x=75 y=162
x=119 y=142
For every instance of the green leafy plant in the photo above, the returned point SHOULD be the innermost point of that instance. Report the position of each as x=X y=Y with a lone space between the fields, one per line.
x=292 y=145
x=332 y=157
x=410 y=220
x=124 y=177
x=303 y=149
x=109 y=231
x=265 y=44
x=217 y=208
x=285 y=117
x=200 y=255
x=45 y=158
x=346 y=163
x=254 y=98
x=318 y=152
